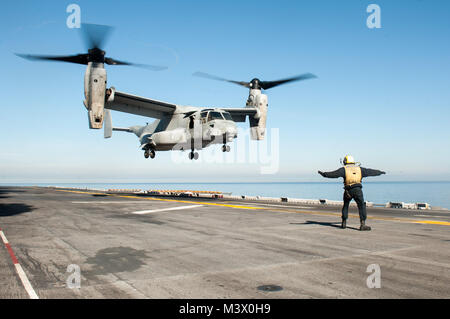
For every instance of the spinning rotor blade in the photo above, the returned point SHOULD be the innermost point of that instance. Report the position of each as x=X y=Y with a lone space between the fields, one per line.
x=270 y=84
x=256 y=83
x=112 y=61
x=213 y=77
x=79 y=58
x=95 y=35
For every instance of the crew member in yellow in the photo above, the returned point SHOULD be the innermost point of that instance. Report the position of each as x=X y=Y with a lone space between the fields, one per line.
x=353 y=175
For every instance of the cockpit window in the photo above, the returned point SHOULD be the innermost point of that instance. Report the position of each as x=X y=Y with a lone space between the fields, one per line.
x=227 y=116
x=215 y=116
x=204 y=114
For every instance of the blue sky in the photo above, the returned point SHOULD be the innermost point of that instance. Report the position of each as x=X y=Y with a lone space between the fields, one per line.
x=382 y=94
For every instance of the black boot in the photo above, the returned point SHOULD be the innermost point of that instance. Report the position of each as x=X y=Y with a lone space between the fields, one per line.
x=363 y=226
x=344 y=224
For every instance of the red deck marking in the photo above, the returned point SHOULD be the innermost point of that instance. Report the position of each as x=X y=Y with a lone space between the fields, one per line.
x=22 y=275
x=11 y=253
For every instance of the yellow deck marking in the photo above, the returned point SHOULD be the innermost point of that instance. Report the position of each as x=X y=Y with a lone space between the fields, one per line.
x=432 y=222
x=396 y=219
x=163 y=199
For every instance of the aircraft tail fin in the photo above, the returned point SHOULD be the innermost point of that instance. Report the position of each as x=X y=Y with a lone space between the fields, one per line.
x=107 y=123
x=108 y=128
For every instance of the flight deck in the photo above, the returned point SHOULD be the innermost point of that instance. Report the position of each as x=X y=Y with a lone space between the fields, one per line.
x=126 y=245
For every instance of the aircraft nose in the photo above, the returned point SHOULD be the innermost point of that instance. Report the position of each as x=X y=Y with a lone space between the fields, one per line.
x=231 y=133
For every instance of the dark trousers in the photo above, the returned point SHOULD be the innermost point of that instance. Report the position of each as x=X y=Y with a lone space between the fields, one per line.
x=356 y=194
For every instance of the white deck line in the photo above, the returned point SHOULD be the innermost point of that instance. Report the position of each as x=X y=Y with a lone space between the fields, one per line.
x=143 y=212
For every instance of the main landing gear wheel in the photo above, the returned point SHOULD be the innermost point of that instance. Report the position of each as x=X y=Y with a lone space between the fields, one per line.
x=226 y=148
x=193 y=155
x=149 y=153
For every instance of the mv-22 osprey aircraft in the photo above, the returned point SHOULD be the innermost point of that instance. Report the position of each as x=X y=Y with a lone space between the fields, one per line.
x=176 y=127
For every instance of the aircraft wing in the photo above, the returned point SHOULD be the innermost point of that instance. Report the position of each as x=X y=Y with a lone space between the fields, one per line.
x=239 y=115
x=128 y=103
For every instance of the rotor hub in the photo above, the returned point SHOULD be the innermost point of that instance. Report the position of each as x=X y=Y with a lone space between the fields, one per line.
x=255 y=84
x=96 y=55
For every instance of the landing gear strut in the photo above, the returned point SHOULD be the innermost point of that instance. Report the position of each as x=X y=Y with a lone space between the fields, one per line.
x=225 y=147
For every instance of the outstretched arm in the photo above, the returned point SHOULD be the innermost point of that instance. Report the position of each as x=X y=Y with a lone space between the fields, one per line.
x=334 y=174
x=371 y=172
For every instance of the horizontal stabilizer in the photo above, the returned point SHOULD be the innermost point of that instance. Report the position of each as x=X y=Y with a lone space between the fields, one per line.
x=123 y=129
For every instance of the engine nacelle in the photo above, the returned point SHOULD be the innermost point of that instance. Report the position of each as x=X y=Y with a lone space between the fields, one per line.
x=94 y=91
x=258 y=123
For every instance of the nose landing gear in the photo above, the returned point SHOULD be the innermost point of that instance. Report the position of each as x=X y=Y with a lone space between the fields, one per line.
x=193 y=155
x=226 y=148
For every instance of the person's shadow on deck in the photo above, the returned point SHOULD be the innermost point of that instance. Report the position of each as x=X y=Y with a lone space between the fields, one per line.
x=334 y=224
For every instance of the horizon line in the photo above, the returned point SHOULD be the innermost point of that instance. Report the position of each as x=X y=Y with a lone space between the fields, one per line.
x=232 y=182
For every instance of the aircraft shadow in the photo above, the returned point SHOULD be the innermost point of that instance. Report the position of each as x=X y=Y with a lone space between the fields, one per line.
x=4 y=191
x=3 y=194
x=14 y=209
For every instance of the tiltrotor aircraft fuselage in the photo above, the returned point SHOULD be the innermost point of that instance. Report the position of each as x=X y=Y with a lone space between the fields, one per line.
x=175 y=127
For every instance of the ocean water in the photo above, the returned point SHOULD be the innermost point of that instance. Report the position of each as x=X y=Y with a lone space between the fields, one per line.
x=433 y=193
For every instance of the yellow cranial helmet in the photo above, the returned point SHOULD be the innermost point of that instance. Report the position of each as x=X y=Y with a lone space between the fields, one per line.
x=349 y=160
